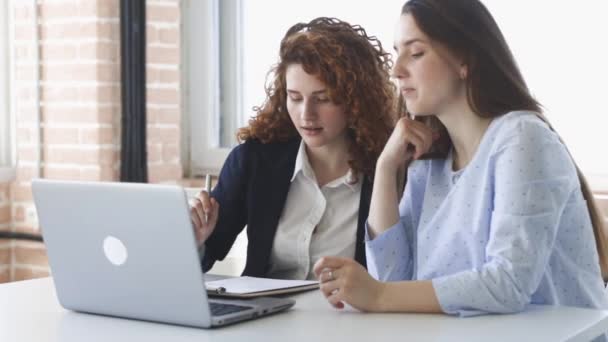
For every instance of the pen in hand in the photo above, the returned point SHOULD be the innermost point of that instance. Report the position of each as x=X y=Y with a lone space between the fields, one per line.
x=208 y=190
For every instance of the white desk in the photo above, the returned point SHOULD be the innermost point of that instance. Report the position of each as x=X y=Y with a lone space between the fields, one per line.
x=29 y=311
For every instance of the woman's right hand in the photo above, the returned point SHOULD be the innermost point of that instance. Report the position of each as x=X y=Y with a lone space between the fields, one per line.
x=407 y=132
x=204 y=211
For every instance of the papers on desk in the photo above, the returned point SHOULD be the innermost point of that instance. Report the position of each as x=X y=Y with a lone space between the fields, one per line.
x=248 y=287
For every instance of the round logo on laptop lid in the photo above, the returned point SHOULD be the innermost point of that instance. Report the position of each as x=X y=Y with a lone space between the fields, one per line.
x=114 y=250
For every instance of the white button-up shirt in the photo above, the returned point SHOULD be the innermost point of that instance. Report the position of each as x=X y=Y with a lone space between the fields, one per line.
x=315 y=222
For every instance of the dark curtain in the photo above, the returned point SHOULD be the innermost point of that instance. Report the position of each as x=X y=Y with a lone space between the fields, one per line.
x=133 y=160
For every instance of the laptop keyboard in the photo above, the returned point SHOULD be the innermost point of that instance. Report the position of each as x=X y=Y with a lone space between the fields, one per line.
x=220 y=309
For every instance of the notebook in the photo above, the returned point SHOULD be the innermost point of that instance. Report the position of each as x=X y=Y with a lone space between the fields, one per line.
x=249 y=287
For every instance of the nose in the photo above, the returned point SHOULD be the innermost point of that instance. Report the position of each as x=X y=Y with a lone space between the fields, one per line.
x=309 y=111
x=399 y=69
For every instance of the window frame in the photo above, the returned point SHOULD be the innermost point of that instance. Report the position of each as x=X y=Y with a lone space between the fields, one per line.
x=210 y=82
x=8 y=153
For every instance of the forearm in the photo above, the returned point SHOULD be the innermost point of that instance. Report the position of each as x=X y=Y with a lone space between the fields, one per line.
x=408 y=296
x=384 y=207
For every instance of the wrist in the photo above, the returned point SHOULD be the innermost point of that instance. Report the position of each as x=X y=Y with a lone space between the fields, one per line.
x=386 y=165
x=379 y=302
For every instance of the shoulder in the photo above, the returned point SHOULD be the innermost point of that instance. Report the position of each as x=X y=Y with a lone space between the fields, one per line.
x=255 y=149
x=521 y=128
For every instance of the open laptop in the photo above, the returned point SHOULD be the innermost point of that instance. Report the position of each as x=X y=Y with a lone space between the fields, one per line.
x=129 y=250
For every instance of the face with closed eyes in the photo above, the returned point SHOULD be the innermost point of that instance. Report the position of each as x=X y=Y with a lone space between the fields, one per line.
x=319 y=121
x=431 y=79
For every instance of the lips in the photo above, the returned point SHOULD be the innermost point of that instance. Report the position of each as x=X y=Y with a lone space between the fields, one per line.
x=312 y=129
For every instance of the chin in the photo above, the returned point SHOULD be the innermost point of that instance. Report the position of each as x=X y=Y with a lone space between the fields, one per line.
x=314 y=142
x=418 y=110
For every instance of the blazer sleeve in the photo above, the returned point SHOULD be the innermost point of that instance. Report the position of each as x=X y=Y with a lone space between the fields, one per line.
x=230 y=192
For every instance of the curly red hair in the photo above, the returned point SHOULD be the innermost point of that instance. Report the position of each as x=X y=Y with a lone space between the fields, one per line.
x=356 y=70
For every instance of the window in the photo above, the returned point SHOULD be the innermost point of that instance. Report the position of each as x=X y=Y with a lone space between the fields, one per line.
x=561 y=56
x=229 y=47
x=7 y=126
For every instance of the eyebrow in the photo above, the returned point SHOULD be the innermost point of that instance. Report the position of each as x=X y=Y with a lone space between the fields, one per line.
x=410 y=42
x=314 y=92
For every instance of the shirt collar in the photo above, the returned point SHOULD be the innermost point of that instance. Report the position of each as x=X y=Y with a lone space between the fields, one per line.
x=303 y=166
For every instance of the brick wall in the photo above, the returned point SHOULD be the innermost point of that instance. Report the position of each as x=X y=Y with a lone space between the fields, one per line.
x=67 y=74
x=163 y=90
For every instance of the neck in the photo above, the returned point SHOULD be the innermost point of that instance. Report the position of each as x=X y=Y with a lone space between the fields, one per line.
x=466 y=129
x=328 y=162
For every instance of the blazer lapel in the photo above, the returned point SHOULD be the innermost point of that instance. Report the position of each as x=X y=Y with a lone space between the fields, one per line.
x=269 y=194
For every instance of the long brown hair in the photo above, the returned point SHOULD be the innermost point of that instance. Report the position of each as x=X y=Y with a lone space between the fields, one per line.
x=495 y=86
x=356 y=70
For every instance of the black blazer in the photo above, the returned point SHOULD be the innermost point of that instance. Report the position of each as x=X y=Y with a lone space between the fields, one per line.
x=252 y=190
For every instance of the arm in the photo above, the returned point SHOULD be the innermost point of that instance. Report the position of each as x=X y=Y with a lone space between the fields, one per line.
x=230 y=193
x=383 y=212
x=345 y=281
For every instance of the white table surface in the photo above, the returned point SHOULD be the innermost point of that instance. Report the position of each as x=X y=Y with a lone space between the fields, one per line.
x=29 y=311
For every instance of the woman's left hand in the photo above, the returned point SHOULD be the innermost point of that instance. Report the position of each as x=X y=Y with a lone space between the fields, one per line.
x=346 y=281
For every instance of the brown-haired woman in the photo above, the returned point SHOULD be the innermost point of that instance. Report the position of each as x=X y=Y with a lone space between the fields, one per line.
x=301 y=179
x=503 y=219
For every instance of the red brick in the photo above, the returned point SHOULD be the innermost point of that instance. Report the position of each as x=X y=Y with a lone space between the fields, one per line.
x=169 y=35
x=170 y=135
x=53 y=172
x=69 y=72
x=98 y=135
x=71 y=114
x=108 y=9
x=162 y=55
x=108 y=30
x=58 y=52
x=104 y=173
x=5 y=275
x=26 y=173
x=162 y=96
x=21 y=192
x=60 y=135
x=171 y=153
x=154 y=153
x=164 y=173
x=57 y=10
x=32 y=253
x=5 y=254
x=19 y=215
x=163 y=14
x=25 y=273
x=70 y=155
x=5 y=214
x=22 y=227
x=108 y=72
x=152 y=34
x=169 y=76
x=168 y=116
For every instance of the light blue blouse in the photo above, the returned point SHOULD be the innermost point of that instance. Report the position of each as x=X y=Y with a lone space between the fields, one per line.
x=510 y=229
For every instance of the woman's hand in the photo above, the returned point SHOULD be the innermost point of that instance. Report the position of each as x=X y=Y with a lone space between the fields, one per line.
x=346 y=281
x=410 y=139
x=204 y=211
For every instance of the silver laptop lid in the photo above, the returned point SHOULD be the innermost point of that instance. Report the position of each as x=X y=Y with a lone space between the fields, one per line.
x=123 y=249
